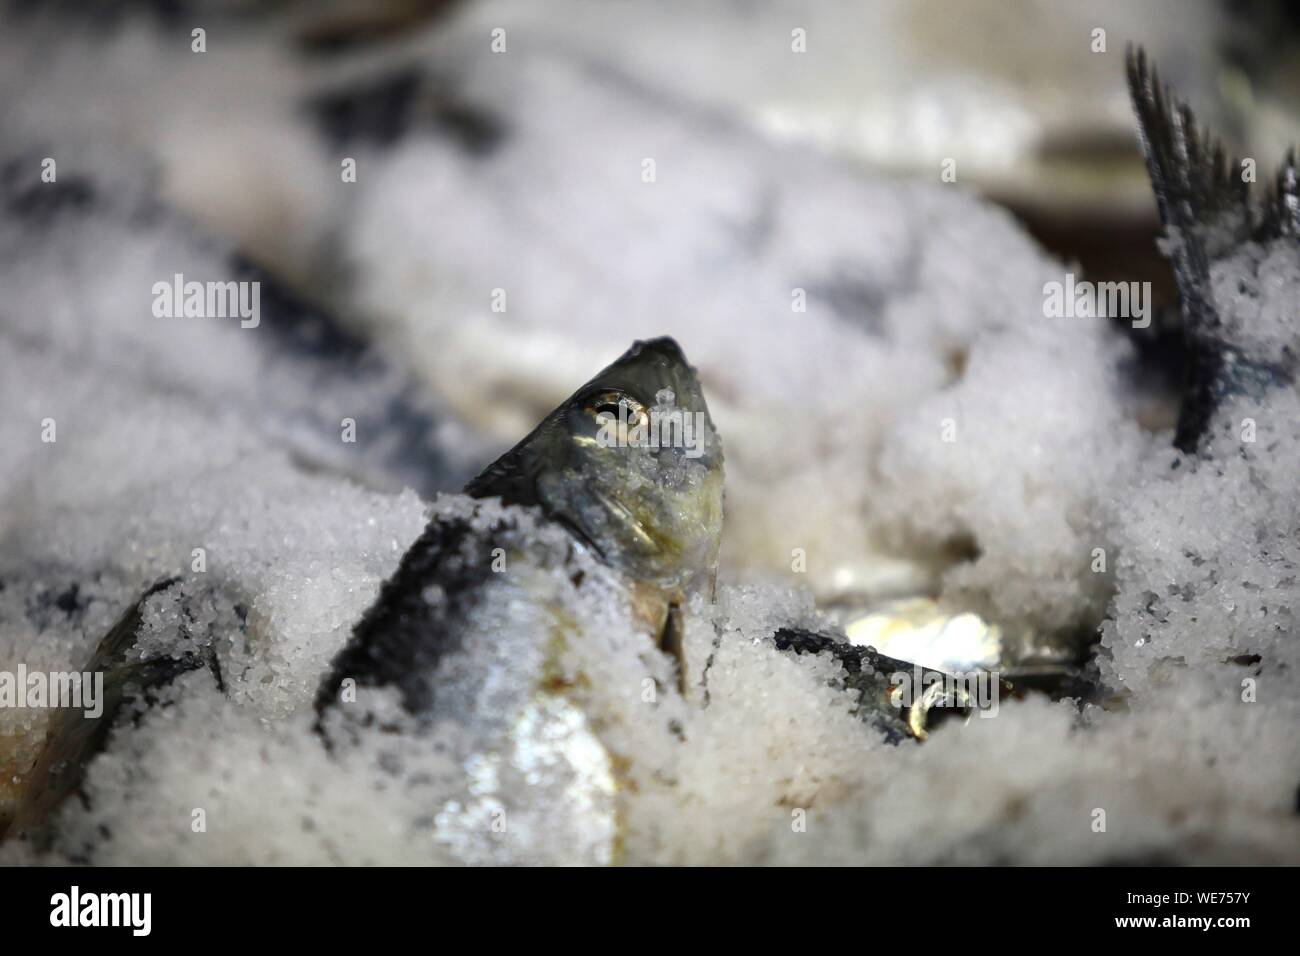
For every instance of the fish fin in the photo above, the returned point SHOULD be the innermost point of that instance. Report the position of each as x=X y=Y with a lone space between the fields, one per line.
x=1196 y=187
x=1207 y=213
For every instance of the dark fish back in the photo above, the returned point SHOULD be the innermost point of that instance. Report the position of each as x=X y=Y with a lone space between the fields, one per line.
x=402 y=637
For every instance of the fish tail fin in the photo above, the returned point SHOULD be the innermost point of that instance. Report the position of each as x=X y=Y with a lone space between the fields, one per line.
x=1206 y=208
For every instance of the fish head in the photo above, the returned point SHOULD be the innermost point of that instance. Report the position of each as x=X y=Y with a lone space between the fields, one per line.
x=631 y=465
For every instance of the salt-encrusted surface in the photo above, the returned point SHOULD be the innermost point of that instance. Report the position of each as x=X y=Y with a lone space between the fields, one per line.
x=905 y=285
x=902 y=282
x=924 y=305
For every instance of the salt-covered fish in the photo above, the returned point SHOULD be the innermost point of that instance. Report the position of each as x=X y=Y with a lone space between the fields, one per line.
x=75 y=737
x=523 y=628
x=899 y=699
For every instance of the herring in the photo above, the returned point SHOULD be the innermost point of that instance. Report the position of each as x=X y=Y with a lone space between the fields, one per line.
x=75 y=737
x=504 y=621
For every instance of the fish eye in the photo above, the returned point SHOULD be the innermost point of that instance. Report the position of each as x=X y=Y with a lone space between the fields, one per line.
x=610 y=402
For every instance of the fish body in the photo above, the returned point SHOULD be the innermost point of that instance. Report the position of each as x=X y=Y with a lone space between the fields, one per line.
x=530 y=619
x=477 y=642
x=75 y=737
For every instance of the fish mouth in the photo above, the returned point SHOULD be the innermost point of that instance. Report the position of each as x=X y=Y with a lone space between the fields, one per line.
x=664 y=345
